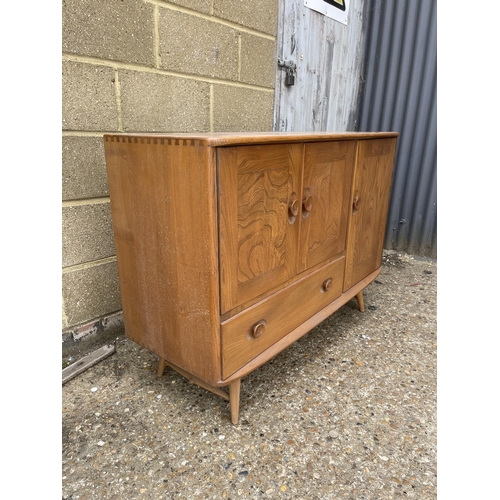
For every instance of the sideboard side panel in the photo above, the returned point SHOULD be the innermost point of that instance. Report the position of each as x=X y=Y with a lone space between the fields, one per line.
x=164 y=213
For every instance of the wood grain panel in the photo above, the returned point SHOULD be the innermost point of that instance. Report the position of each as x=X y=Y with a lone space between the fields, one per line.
x=281 y=312
x=371 y=189
x=164 y=215
x=262 y=222
x=328 y=169
x=258 y=242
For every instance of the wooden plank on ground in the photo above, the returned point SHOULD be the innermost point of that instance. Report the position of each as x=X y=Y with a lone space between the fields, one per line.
x=91 y=359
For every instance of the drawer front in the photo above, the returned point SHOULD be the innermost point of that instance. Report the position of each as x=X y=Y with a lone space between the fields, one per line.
x=252 y=331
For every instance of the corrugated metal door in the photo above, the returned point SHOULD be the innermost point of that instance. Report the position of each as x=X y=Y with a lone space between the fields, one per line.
x=328 y=59
x=400 y=94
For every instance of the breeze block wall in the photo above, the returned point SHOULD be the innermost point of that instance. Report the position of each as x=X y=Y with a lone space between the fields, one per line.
x=146 y=66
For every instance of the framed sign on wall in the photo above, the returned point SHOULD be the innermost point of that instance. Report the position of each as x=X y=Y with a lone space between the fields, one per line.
x=336 y=9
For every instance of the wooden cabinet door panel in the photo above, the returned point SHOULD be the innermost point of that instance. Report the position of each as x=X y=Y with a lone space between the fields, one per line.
x=327 y=178
x=369 y=205
x=258 y=238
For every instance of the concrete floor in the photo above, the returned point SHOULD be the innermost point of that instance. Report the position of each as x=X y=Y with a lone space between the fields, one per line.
x=348 y=411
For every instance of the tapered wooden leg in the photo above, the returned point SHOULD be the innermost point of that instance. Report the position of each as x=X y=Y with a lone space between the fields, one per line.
x=361 y=302
x=234 y=400
x=161 y=367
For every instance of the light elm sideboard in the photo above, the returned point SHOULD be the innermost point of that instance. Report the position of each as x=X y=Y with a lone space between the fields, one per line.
x=231 y=246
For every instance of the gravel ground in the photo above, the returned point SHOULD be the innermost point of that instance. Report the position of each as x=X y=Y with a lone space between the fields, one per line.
x=348 y=411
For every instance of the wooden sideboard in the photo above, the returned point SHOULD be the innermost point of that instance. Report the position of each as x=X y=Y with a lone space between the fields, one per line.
x=230 y=247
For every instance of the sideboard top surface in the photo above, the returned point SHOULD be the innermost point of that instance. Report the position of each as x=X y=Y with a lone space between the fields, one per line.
x=216 y=139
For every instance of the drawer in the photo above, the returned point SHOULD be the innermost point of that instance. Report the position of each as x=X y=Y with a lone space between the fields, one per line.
x=246 y=335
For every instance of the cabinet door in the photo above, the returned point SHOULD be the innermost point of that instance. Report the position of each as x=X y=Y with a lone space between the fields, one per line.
x=328 y=168
x=258 y=233
x=369 y=205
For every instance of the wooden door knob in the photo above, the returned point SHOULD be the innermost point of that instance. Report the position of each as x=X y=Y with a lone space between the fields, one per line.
x=356 y=203
x=307 y=203
x=293 y=206
x=327 y=284
x=258 y=329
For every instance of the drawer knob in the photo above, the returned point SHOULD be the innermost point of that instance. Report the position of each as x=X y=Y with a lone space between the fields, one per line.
x=327 y=284
x=258 y=329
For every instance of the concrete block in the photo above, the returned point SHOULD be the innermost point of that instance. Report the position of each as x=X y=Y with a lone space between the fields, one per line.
x=202 y=6
x=190 y=44
x=121 y=30
x=91 y=292
x=87 y=233
x=160 y=103
x=261 y=15
x=83 y=168
x=238 y=109
x=88 y=97
x=258 y=60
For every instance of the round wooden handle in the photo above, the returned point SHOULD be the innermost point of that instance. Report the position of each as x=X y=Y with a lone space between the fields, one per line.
x=356 y=203
x=293 y=207
x=258 y=329
x=307 y=203
x=327 y=284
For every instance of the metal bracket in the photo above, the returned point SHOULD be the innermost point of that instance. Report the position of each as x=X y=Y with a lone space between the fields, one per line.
x=287 y=65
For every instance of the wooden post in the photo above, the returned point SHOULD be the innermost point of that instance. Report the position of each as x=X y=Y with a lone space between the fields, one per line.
x=234 y=400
